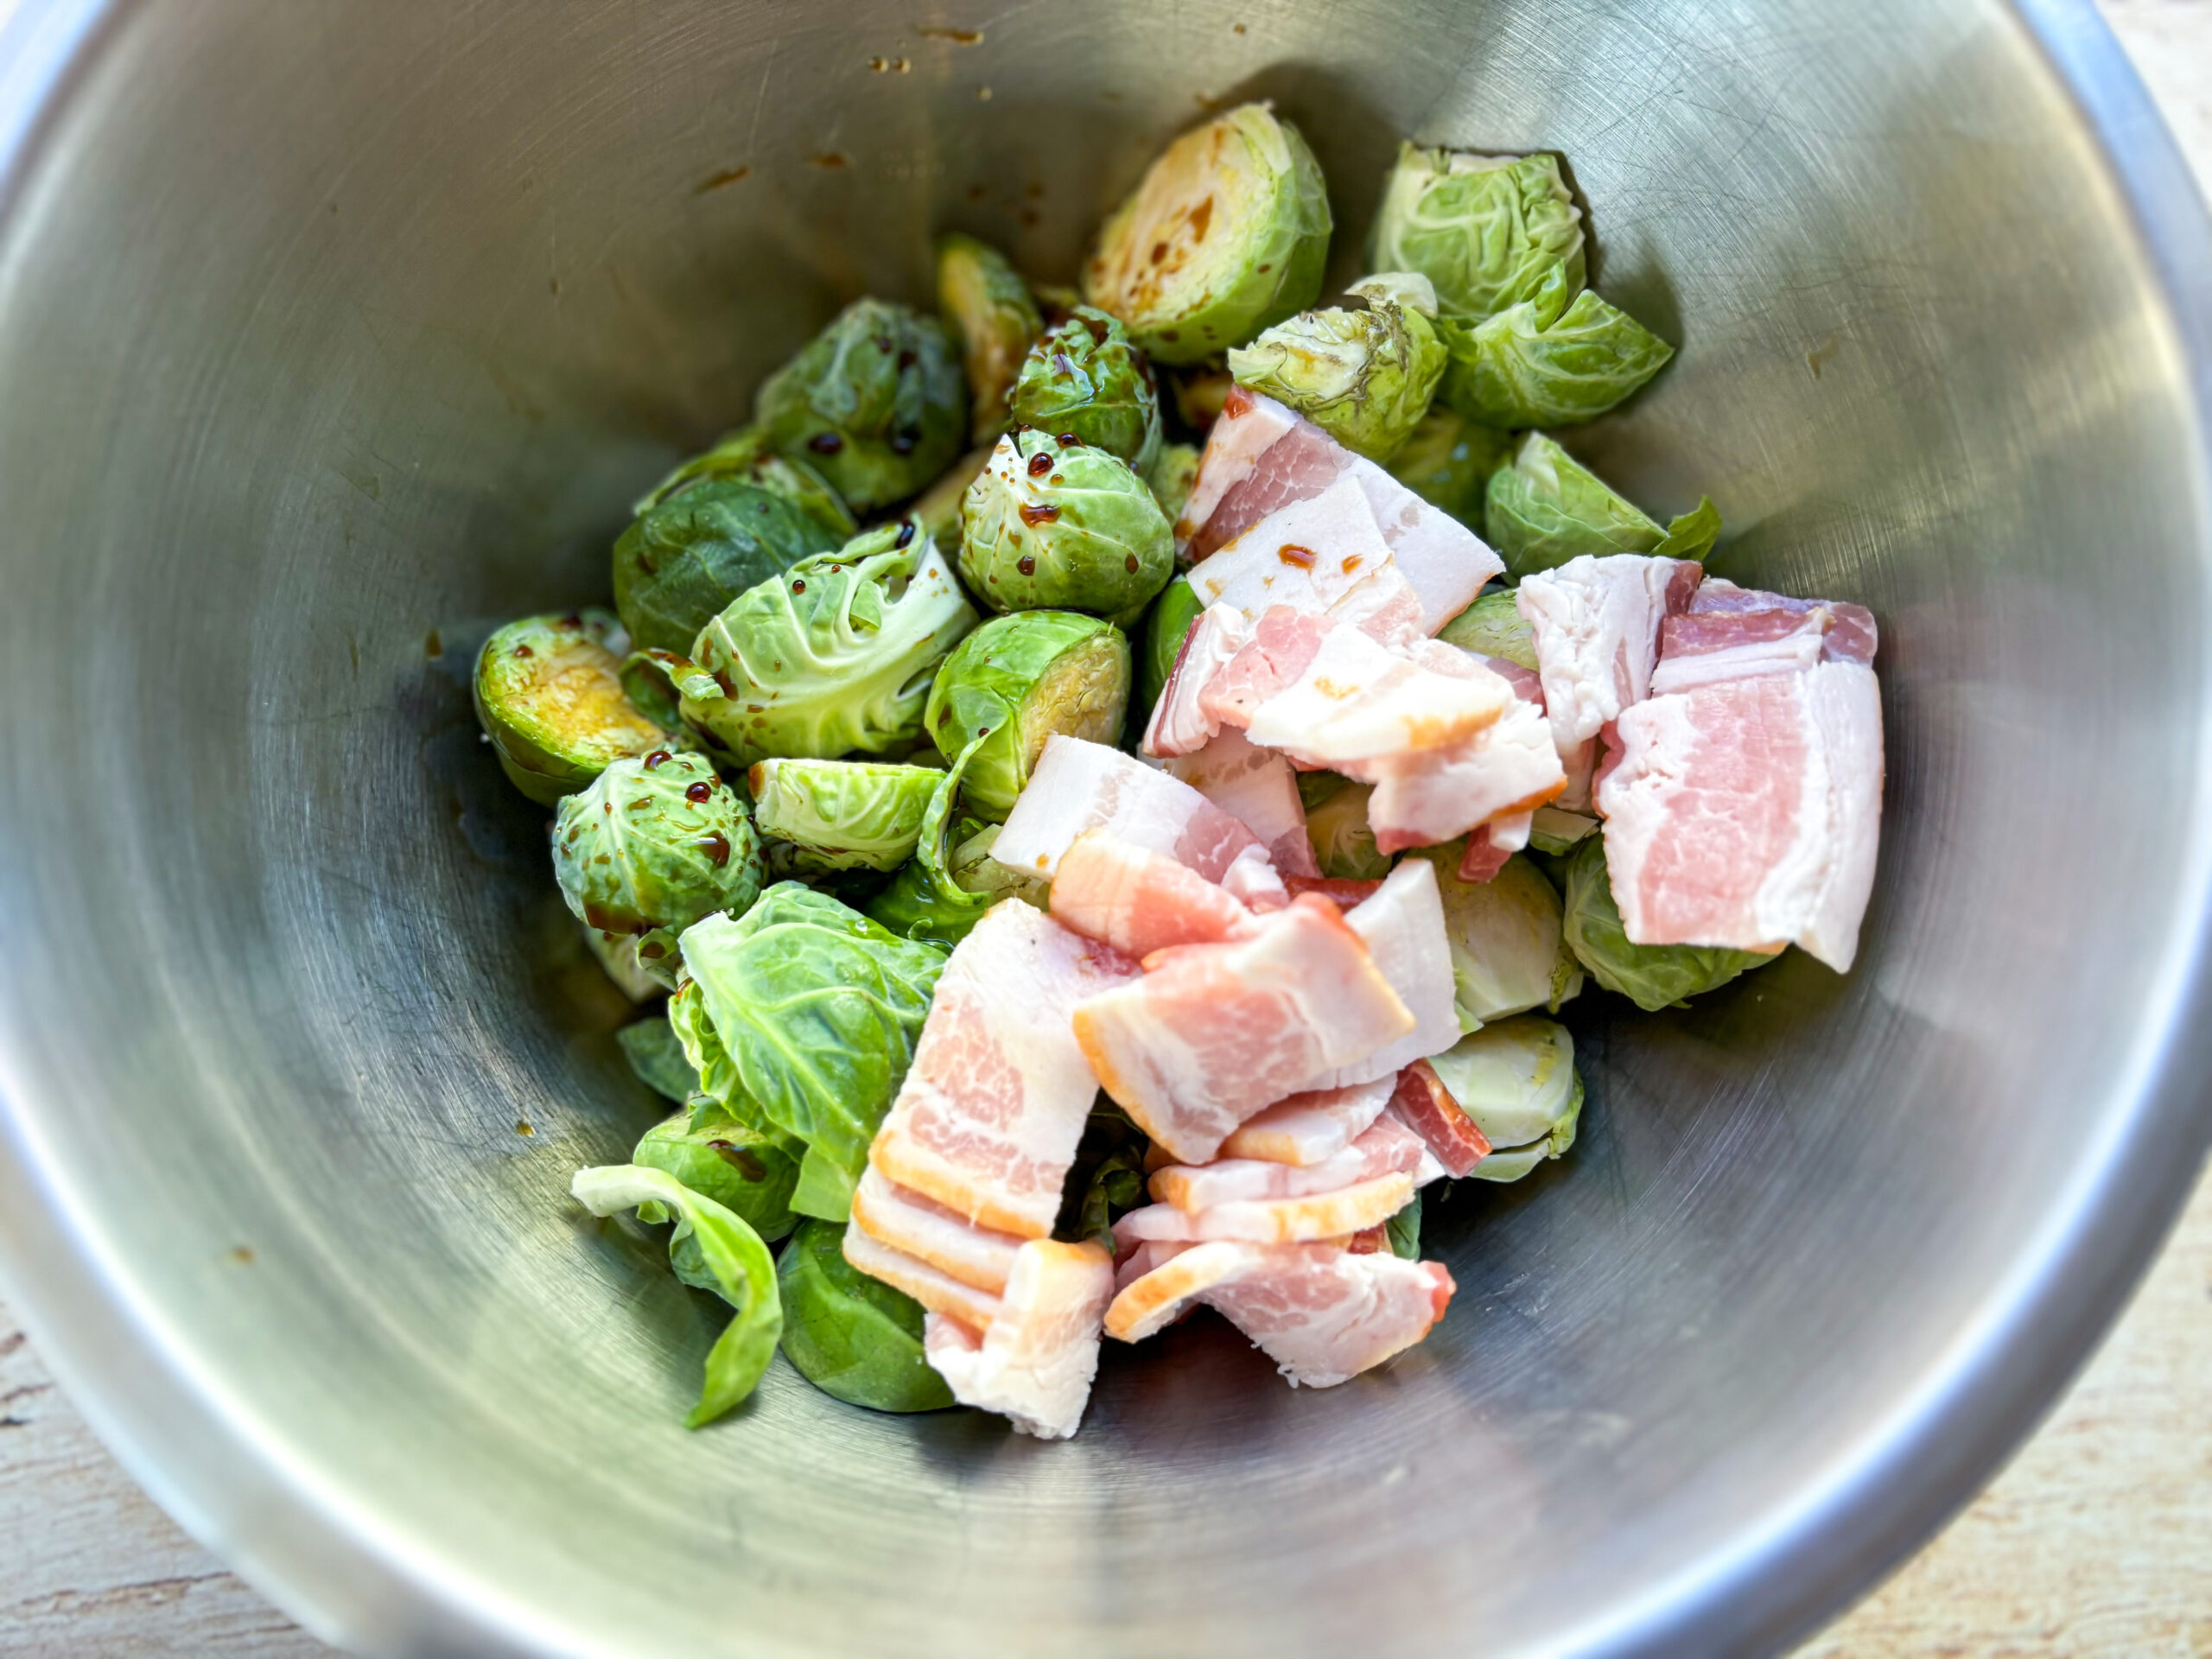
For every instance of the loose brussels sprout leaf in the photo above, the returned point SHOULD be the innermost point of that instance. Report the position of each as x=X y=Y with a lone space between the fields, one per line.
x=1691 y=535
x=1547 y=508
x=1553 y=831
x=1226 y=234
x=1084 y=380
x=1507 y=955
x=1106 y=1180
x=655 y=843
x=682 y=562
x=1167 y=625
x=1173 y=476
x=1019 y=680
x=1063 y=527
x=744 y=455
x=924 y=901
x=742 y=1271
x=656 y=1054
x=1403 y=1230
x=548 y=694
x=1447 y=461
x=938 y=508
x=748 y=1173
x=1493 y=625
x=719 y=1088
x=854 y=1337
x=1650 y=976
x=1342 y=840
x=834 y=655
x=1515 y=1081
x=1200 y=391
x=649 y=681
x=842 y=815
x=1365 y=377
x=617 y=955
x=974 y=870
x=876 y=403
x=1488 y=231
x=988 y=307
x=1524 y=367
x=818 y=1010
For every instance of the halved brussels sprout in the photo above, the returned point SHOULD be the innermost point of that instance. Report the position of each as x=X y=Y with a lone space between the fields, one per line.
x=853 y=1337
x=842 y=815
x=1056 y=526
x=1547 y=508
x=1019 y=680
x=1336 y=820
x=1545 y=363
x=1227 y=232
x=924 y=901
x=548 y=694
x=1084 y=380
x=653 y=846
x=1365 y=377
x=974 y=871
x=988 y=307
x=835 y=655
x=746 y=457
x=656 y=1054
x=1167 y=625
x=1652 y=977
x=1516 y=1081
x=635 y=976
x=1493 y=625
x=1174 y=473
x=1447 y=461
x=1507 y=951
x=938 y=508
x=749 y=1172
x=1200 y=390
x=876 y=403
x=680 y=562
x=1488 y=231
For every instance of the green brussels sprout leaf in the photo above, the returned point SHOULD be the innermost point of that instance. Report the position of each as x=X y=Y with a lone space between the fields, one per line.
x=1364 y=376
x=656 y=1054
x=1167 y=625
x=1494 y=626
x=1017 y=681
x=681 y=562
x=1084 y=379
x=1554 y=831
x=655 y=843
x=1488 y=231
x=1343 y=841
x=1525 y=367
x=549 y=694
x=925 y=899
x=1404 y=1230
x=853 y=1337
x=1652 y=977
x=1173 y=476
x=988 y=307
x=842 y=815
x=1691 y=535
x=748 y=1172
x=1063 y=527
x=1547 y=508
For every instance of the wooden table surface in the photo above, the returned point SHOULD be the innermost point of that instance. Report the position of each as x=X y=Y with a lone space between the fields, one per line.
x=2095 y=1543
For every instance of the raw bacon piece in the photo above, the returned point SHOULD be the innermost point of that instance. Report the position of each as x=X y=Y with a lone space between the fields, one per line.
x=987 y=1121
x=1310 y=1127
x=1342 y=891
x=1259 y=788
x=1425 y=1106
x=1356 y=700
x=1502 y=773
x=1746 y=812
x=1132 y=1264
x=1035 y=1362
x=1387 y=1147
x=1276 y=1221
x=1137 y=900
x=1180 y=723
x=906 y=1221
x=1277 y=649
x=937 y=1291
x=1852 y=635
x=1596 y=622
x=1215 y=1031
x=1403 y=925
x=1321 y=555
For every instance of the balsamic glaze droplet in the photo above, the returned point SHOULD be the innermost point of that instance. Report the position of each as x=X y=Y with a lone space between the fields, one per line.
x=702 y=790
x=1039 y=464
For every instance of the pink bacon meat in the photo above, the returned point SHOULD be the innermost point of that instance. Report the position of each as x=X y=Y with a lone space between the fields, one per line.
x=1427 y=1107
x=1310 y=1127
x=1137 y=900
x=1387 y=1147
x=1257 y=787
x=1402 y=923
x=1303 y=1220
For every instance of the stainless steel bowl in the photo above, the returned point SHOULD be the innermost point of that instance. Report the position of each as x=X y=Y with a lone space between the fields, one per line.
x=330 y=332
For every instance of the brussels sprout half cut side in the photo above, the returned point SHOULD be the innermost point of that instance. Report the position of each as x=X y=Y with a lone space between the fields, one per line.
x=549 y=694
x=1493 y=627
x=842 y=815
x=989 y=310
x=1515 y=1080
x=1019 y=680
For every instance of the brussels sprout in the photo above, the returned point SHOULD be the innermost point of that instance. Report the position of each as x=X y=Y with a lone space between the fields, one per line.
x=1335 y=819
x=1366 y=376
x=1226 y=234
x=1493 y=625
x=1019 y=680
x=924 y=901
x=853 y=1337
x=548 y=694
x=1084 y=380
x=816 y=1011
x=988 y=307
x=1547 y=508
x=1106 y=1180
x=1403 y=1230
x=1507 y=955
x=1516 y=1081
x=842 y=815
x=617 y=955
x=1650 y=976
x=1200 y=391
x=974 y=871
x=748 y=1172
x=1054 y=526
x=680 y=562
x=1173 y=476
x=1167 y=625
x=876 y=403
x=652 y=846
x=1534 y=364
x=745 y=457
x=728 y=1254
x=938 y=508
x=1554 y=831
x=656 y=1054
x=1488 y=231
x=1448 y=460
x=833 y=656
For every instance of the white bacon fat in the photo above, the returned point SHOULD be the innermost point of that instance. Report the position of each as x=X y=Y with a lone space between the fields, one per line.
x=1034 y=1362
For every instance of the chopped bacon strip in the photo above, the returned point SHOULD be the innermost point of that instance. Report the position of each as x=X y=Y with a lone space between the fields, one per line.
x=1368 y=1241
x=1502 y=773
x=906 y=1221
x=1259 y=788
x=1035 y=1363
x=987 y=1121
x=1310 y=1127
x=1596 y=622
x=1343 y=891
x=1132 y=1264
x=935 y=1290
x=1322 y=556
x=1137 y=900
x=1403 y=925
x=1424 y=1105
x=1278 y=1221
x=1385 y=1147
x=1180 y=722
x=1213 y=1032
x=1851 y=636
x=1356 y=700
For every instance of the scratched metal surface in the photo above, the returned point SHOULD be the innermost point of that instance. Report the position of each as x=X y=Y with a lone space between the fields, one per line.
x=329 y=336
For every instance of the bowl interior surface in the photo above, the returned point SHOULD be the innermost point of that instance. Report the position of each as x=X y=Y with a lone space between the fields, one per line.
x=331 y=336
